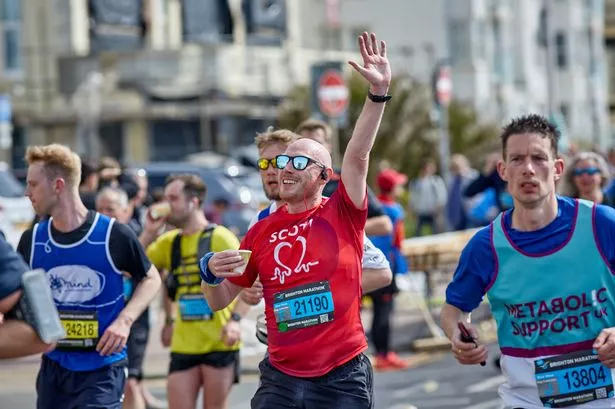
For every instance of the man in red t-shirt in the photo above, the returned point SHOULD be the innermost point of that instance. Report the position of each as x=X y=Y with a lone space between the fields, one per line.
x=307 y=256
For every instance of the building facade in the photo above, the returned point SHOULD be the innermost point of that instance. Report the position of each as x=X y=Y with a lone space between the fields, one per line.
x=511 y=57
x=159 y=79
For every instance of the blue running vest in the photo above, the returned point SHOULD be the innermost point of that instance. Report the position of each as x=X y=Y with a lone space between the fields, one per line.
x=83 y=282
x=553 y=303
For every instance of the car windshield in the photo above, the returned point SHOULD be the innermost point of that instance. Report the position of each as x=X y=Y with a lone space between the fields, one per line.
x=9 y=185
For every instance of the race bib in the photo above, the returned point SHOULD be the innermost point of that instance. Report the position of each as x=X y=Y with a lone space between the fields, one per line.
x=303 y=306
x=572 y=379
x=81 y=330
x=194 y=307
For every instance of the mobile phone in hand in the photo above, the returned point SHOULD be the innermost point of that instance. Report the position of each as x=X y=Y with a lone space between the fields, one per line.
x=467 y=337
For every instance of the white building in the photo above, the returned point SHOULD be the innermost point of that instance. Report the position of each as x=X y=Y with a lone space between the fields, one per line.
x=511 y=57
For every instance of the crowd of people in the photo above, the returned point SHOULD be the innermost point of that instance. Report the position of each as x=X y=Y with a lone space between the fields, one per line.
x=545 y=260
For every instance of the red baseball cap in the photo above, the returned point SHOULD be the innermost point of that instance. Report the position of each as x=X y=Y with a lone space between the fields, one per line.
x=387 y=179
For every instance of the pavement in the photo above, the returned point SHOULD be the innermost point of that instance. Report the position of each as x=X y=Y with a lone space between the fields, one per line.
x=17 y=377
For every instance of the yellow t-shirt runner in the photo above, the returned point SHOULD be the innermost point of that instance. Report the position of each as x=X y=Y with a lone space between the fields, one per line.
x=195 y=331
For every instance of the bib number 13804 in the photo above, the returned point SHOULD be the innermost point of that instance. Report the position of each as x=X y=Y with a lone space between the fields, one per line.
x=585 y=377
x=572 y=379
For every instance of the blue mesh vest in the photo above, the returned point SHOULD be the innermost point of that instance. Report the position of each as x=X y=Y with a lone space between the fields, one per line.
x=87 y=289
x=552 y=303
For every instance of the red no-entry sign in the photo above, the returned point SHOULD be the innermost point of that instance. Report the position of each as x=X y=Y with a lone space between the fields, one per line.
x=332 y=94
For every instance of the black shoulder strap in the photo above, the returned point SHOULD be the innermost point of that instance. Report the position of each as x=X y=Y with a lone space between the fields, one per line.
x=205 y=241
x=204 y=246
x=176 y=252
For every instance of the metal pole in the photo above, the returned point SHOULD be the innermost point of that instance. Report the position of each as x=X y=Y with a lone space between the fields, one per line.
x=444 y=147
x=335 y=142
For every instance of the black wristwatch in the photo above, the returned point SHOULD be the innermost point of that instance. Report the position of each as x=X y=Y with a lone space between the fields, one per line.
x=378 y=98
x=235 y=317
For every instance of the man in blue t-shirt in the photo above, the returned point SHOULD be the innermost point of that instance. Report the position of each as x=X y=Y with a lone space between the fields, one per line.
x=547 y=268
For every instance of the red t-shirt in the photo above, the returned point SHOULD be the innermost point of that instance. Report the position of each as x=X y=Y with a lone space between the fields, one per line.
x=310 y=267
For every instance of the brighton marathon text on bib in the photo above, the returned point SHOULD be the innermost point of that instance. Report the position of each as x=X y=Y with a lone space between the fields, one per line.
x=572 y=379
x=303 y=306
x=81 y=330
x=194 y=307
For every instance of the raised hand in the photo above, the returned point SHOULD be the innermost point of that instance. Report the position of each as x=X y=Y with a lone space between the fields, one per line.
x=376 y=68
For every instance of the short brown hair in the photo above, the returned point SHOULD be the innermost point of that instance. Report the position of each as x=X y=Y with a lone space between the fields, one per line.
x=311 y=125
x=531 y=124
x=270 y=137
x=193 y=185
x=58 y=160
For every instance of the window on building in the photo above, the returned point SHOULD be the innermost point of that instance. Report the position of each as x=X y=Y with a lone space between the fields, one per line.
x=561 y=52
x=564 y=108
x=459 y=40
x=11 y=30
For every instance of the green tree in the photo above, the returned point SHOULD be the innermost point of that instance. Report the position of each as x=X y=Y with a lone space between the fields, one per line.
x=408 y=134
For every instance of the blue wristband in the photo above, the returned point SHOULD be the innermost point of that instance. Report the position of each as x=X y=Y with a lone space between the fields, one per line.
x=206 y=275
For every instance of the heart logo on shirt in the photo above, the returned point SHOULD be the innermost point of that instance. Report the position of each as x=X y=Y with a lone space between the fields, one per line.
x=287 y=267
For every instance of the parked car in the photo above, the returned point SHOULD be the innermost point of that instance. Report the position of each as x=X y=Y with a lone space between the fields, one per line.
x=222 y=183
x=16 y=212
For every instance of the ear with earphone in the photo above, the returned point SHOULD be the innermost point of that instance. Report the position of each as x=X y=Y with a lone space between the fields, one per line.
x=191 y=206
x=323 y=174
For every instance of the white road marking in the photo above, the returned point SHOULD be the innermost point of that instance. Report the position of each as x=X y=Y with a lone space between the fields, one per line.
x=487 y=384
x=490 y=404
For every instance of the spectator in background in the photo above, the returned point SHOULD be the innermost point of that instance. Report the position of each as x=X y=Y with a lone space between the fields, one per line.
x=586 y=177
x=457 y=204
x=142 y=198
x=428 y=198
x=109 y=171
x=219 y=208
x=389 y=184
x=88 y=186
x=489 y=178
x=115 y=203
x=611 y=163
x=131 y=188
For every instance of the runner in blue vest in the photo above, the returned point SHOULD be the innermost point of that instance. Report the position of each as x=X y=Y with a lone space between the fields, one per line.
x=84 y=254
x=547 y=268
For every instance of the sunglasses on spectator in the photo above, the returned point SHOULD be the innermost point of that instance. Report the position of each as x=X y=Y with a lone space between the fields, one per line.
x=299 y=162
x=586 y=171
x=263 y=163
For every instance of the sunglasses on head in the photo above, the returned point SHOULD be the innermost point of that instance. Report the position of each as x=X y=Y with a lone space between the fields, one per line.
x=263 y=163
x=299 y=162
x=586 y=171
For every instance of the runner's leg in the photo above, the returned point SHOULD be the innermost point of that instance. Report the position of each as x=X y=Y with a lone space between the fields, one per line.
x=217 y=384
x=99 y=389
x=276 y=390
x=183 y=388
x=50 y=378
x=347 y=387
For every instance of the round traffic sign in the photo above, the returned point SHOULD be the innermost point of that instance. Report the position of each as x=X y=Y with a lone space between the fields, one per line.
x=332 y=94
x=444 y=86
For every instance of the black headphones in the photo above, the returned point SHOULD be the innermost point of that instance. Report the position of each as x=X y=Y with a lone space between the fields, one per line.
x=323 y=174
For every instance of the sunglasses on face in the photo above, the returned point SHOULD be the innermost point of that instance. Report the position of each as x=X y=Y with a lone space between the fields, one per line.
x=263 y=163
x=299 y=162
x=586 y=171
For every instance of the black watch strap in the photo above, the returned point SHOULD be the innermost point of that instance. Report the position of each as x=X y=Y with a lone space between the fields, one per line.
x=378 y=98
x=235 y=317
